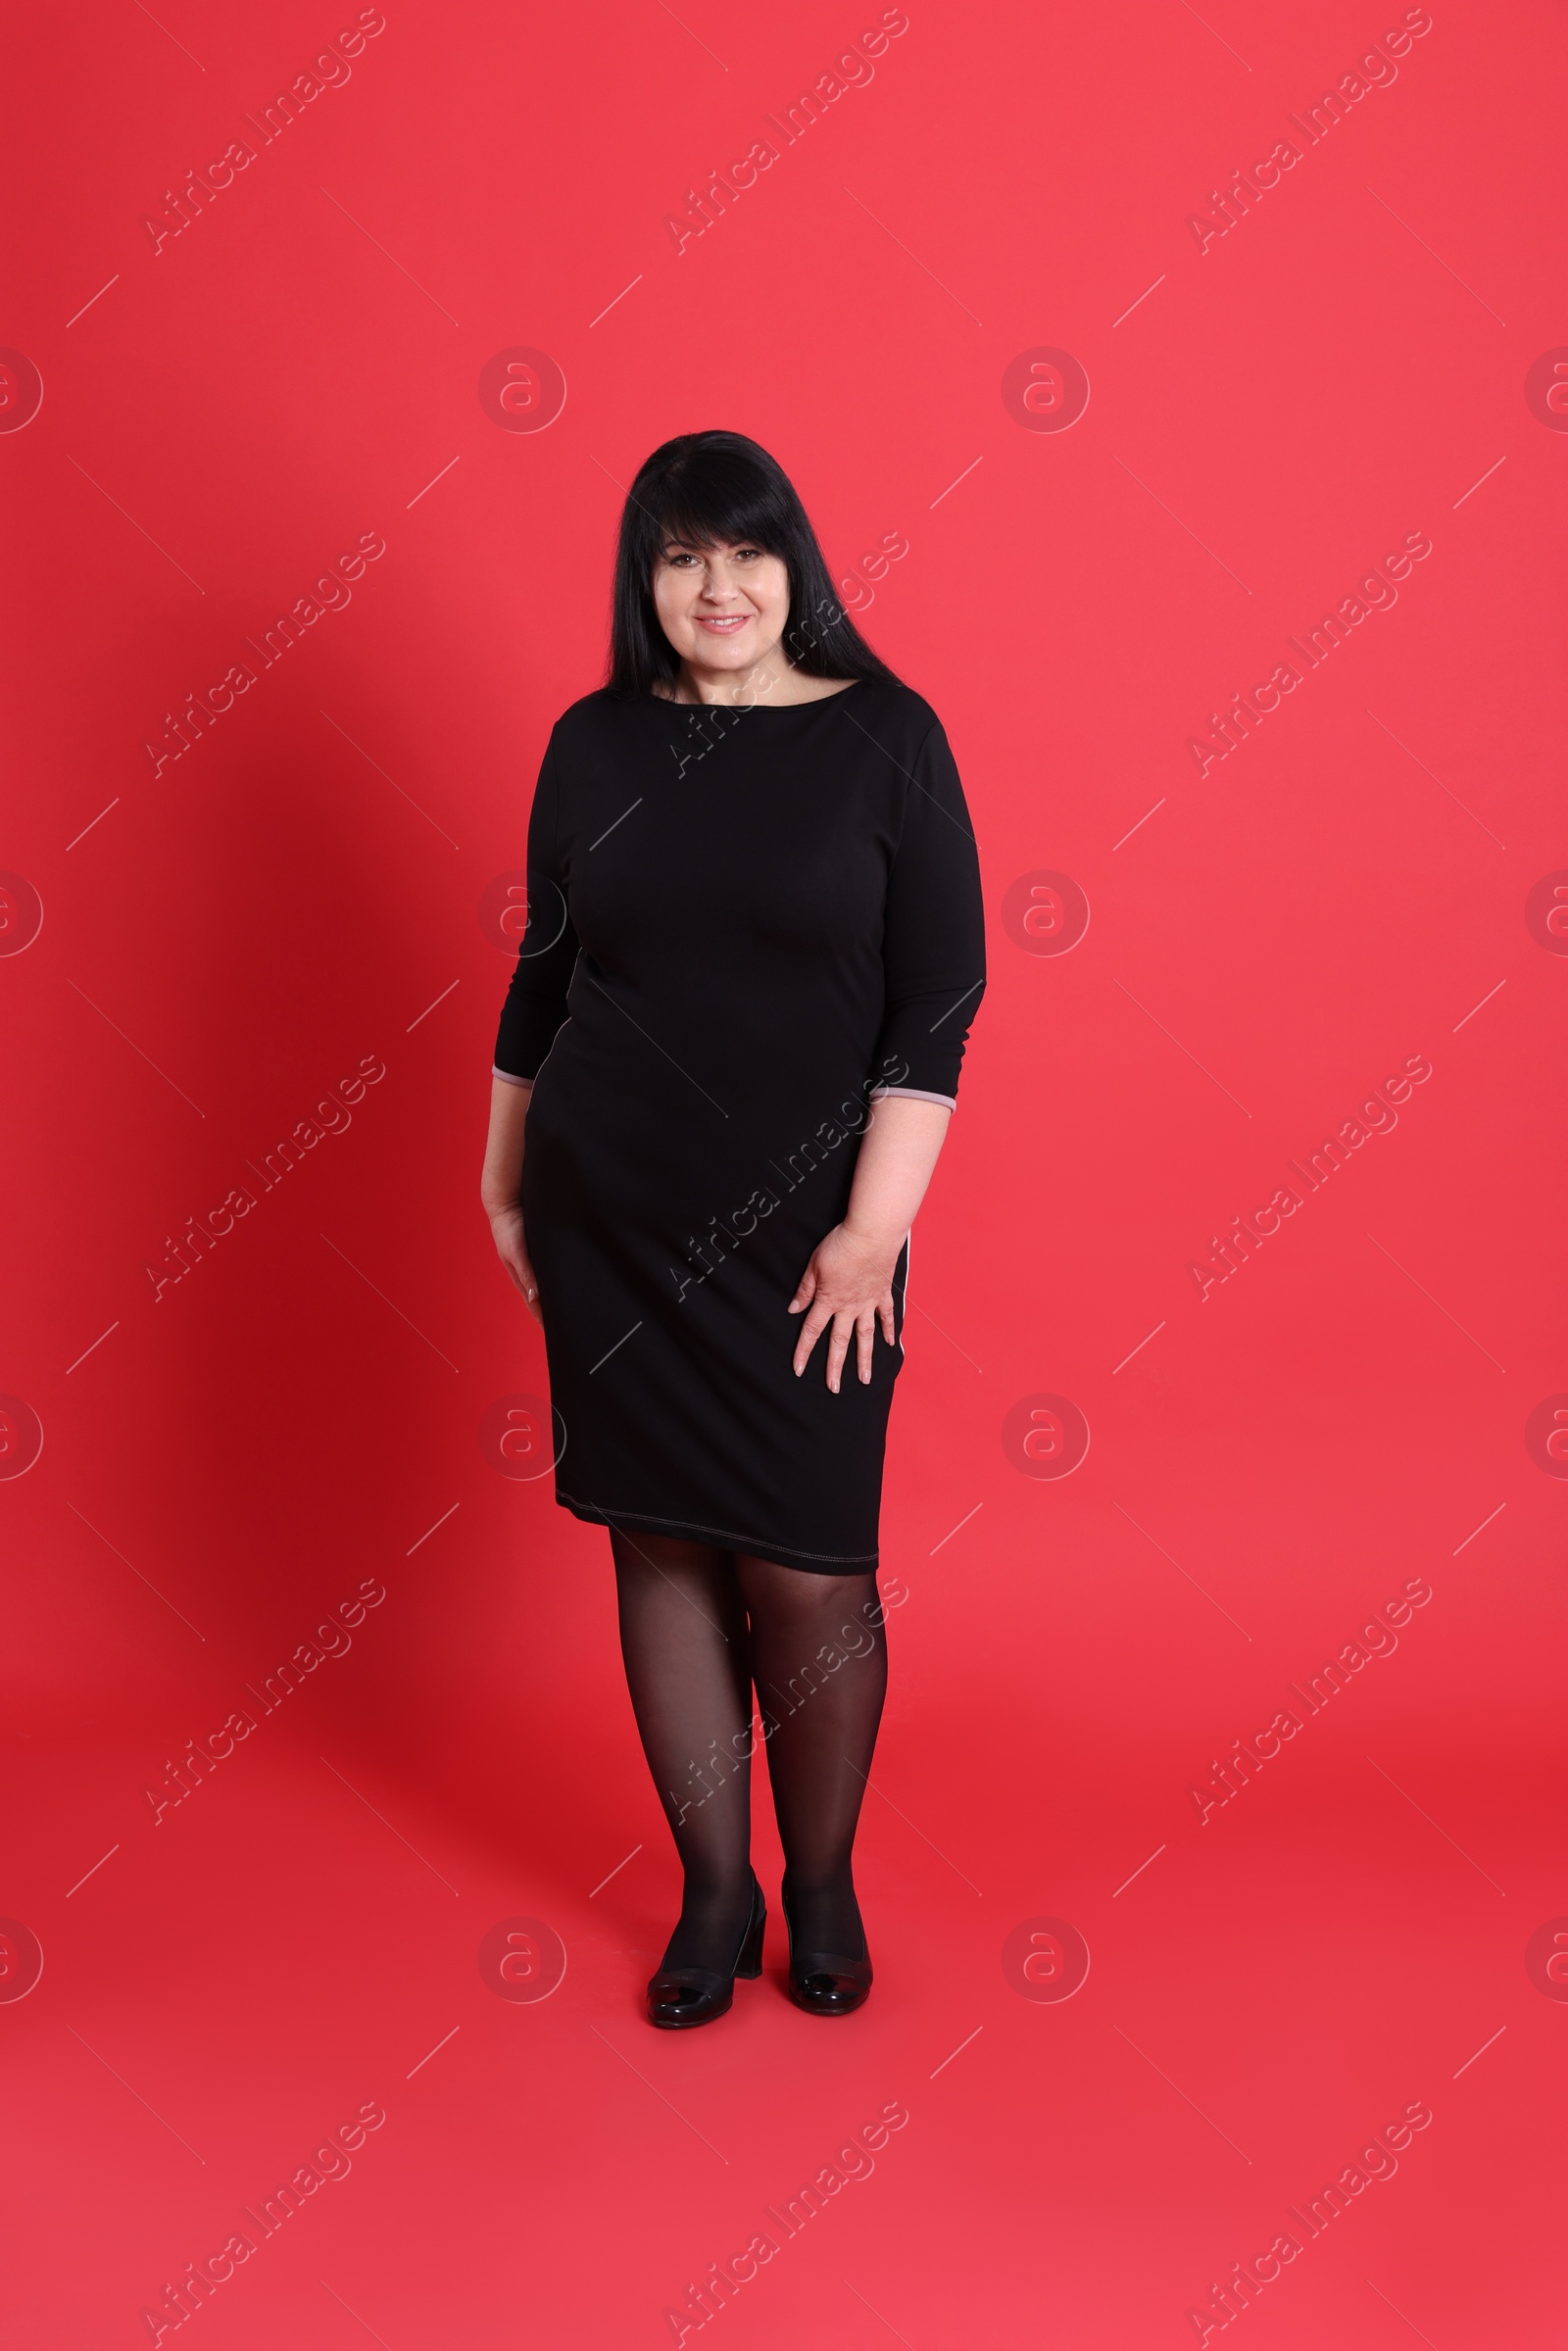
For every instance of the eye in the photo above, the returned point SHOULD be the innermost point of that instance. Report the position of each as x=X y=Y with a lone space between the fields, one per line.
x=748 y=554
x=676 y=556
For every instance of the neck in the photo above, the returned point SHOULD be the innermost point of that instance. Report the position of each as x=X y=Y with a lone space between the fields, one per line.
x=770 y=679
x=765 y=685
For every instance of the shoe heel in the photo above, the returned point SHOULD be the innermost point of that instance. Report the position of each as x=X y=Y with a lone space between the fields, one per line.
x=750 y=1962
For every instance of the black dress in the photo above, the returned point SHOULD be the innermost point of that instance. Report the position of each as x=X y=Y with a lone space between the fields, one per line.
x=744 y=926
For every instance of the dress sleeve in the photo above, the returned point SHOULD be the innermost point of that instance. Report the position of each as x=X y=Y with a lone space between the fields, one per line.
x=535 y=1004
x=933 y=940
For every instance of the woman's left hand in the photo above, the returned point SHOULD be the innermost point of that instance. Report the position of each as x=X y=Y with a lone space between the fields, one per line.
x=847 y=1283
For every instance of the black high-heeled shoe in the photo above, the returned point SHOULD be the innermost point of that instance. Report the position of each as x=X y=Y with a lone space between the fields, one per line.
x=680 y=1996
x=827 y=1983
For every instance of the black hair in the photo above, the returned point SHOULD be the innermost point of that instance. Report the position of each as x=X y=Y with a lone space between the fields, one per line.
x=706 y=489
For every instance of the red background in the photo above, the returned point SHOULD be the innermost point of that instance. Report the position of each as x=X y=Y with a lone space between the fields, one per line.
x=223 y=940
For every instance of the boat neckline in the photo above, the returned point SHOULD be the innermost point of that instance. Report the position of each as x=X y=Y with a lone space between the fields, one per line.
x=814 y=702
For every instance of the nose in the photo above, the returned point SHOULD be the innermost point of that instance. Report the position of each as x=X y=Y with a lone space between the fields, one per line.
x=718 y=585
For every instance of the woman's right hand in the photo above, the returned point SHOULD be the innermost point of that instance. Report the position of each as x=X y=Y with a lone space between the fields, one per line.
x=512 y=1248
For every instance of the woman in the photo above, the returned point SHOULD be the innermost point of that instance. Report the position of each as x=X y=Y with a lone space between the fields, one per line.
x=753 y=913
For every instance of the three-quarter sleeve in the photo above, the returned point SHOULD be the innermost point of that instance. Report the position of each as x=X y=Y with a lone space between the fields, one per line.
x=933 y=940
x=535 y=1004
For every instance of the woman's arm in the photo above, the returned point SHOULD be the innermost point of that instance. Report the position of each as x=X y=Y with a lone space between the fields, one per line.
x=934 y=964
x=849 y=1282
x=501 y=1184
x=534 y=1010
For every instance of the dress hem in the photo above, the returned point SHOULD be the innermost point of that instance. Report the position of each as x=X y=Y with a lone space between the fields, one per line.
x=781 y=1555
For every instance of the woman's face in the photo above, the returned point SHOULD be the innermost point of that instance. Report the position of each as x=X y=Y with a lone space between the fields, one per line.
x=723 y=608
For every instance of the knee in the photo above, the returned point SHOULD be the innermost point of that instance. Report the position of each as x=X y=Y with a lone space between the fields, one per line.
x=858 y=1636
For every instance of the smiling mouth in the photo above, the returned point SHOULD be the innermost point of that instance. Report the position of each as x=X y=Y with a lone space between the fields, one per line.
x=724 y=623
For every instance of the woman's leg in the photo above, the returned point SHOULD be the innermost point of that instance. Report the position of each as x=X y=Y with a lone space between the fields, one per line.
x=684 y=1641
x=819 y=1658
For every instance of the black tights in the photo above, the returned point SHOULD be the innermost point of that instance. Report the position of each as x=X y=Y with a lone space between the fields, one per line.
x=699 y=1628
